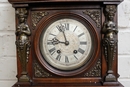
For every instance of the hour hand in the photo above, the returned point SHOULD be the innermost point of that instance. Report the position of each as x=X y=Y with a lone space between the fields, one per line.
x=56 y=41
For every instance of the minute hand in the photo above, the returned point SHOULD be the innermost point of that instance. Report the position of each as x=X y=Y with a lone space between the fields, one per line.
x=66 y=42
x=63 y=30
x=65 y=36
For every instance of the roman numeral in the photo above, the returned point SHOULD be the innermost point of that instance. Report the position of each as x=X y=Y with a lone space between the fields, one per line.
x=67 y=26
x=75 y=57
x=81 y=51
x=49 y=43
x=52 y=34
x=58 y=57
x=80 y=34
x=52 y=51
x=60 y=28
x=83 y=43
x=66 y=59
x=75 y=29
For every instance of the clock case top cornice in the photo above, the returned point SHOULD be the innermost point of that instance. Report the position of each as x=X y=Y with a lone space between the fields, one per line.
x=46 y=1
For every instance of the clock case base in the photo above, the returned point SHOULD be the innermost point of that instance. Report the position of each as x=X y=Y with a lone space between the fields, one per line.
x=105 y=84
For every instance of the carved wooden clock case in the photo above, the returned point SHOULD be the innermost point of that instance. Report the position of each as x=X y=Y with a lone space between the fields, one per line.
x=66 y=43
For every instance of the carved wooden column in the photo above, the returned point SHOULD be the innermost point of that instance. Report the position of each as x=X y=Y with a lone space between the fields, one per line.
x=23 y=43
x=110 y=40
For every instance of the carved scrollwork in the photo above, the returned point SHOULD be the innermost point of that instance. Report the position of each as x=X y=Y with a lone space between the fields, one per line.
x=36 y=17
x=23 y=43
x=95 y=71
x=110 y=40
x=95 y=15
x=39 y=72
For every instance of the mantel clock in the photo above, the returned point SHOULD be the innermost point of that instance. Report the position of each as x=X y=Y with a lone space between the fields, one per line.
x=66 y=43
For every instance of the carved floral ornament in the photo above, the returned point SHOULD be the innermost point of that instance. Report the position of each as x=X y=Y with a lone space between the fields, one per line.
x=94 y=15
x=96 y=70
x=39 y=72
x=36 y=16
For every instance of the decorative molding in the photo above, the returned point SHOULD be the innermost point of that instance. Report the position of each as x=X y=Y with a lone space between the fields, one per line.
x=23 y=43
x=110 y=40
x=36 y=16
x=95 y=15
x=95 y=71
x=39 y=72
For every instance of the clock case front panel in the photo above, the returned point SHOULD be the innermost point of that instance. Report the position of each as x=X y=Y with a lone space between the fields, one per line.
x=41 y=73
x=57 y=16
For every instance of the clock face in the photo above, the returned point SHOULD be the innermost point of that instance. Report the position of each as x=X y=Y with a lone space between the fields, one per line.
x=66 y=44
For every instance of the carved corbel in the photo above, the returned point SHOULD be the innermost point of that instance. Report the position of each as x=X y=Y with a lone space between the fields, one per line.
x=110 y=40
x=23 y=43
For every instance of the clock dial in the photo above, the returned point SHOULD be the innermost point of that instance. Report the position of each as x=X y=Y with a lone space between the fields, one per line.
x=66 y=44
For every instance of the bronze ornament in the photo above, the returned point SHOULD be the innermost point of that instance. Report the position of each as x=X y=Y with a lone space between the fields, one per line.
x=110 y=41
x=96 y=70
x=37 y=16
x=95 y=16
x=23 y=43
x=39 y=72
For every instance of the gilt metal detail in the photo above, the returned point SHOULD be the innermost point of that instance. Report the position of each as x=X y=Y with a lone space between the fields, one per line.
x=95 y=15
x=95 y=71
x=36 y=16
x=23 y=43
x=110 y=40
x=39 y=72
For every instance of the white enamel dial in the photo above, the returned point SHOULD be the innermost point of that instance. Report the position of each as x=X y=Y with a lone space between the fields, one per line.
x=66 y=44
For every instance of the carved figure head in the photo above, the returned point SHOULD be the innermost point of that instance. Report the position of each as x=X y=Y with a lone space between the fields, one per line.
x=110 y=11
x=22 y=14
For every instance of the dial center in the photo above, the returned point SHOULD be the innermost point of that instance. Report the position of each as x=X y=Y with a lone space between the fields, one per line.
x=67 y=43
x=70 y=45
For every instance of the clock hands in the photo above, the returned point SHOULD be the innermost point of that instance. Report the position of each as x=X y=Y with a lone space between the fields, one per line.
x=62 y=29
